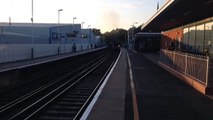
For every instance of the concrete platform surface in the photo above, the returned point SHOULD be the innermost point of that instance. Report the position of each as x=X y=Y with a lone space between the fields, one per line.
x=155 y=57
x=162 y=96
x=111 y=102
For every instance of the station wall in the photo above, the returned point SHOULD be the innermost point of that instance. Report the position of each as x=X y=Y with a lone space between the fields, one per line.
x=196 y=37
x=16 y=52
x=174 y=35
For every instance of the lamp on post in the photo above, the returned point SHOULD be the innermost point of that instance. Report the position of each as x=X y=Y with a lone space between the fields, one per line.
x=82 y=25
x=59 y=15
x=32 y=41
x=131 y=33
x=73 y=22
x=133 y=29
x=134 y=23
x=74 y=19
x=90 y=41
x=59 y=21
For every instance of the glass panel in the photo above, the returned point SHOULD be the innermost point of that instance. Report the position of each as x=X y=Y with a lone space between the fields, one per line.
x=209 y=37
x=199 y=38
x=185 y=38
x=191 y=46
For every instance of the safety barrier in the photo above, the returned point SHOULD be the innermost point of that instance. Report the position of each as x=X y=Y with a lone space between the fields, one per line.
x=15 y=52
x=192 y=65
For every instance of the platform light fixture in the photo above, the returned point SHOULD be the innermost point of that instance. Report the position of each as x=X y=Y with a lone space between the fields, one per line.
x=90 y=33
x=74 y=19
x=59 y=10
x=32 y=41
x=82 y=25
x=59 y=15
x=133 y=30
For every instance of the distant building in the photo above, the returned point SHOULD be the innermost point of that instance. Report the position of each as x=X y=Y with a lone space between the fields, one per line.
x=41 y=33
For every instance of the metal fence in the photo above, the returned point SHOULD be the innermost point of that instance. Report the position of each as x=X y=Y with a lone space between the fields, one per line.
x=15 y=52
x=194 y=66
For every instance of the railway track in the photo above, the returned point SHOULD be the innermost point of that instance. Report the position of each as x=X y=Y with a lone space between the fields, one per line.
x=47 y=73
x=65 y=98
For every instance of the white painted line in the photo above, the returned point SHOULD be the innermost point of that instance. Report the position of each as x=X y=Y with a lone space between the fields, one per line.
x=134 y=97
x=89 y=108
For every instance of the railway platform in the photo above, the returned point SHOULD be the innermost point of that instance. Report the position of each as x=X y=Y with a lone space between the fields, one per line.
x=5 y=79
x=29 y=62
x=146 y=91
x=137 y=88
x=110 y=105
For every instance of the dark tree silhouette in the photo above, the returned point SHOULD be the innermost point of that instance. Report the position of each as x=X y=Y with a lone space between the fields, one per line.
x=117 y=36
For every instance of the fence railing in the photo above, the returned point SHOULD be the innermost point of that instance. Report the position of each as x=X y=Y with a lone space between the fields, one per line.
x=194 y=66
x=15 y=52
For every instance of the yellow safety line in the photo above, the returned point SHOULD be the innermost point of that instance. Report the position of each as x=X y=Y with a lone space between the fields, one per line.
x=134 y=97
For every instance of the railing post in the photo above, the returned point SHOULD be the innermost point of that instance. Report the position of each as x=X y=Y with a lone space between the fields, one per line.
x=185 y=63
x=173 y=60
x=207 y=71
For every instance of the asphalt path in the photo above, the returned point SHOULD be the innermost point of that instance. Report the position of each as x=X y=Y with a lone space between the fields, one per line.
x=162 y=96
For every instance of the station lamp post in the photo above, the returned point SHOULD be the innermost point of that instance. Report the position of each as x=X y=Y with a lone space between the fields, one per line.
x=134 y=27
x=134 y=23
x=59 y=15
x=74 y=19
x=90 y=34
x=73 y=22
x=59 y=21
x=32 y=41
x=82 y=25
x=131 y=33
x=133 y=30
x=133 y=38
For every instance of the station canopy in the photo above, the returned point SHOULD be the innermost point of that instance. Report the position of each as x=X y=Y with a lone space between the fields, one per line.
x=177 y=13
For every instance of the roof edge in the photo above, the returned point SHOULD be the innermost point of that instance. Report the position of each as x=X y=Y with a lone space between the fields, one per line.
x=167 y=4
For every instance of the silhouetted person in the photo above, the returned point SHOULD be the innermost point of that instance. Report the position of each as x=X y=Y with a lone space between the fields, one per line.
x=206 y=51
x=91 y=46
x=74 y=47
x=172 y=46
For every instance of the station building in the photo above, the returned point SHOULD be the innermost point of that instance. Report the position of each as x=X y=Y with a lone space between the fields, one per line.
x=187 y=26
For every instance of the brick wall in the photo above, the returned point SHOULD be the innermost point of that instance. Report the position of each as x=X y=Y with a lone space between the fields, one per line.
x=174 y=35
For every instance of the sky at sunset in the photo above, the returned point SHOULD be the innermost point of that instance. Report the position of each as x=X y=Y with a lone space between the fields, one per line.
x=102 y=14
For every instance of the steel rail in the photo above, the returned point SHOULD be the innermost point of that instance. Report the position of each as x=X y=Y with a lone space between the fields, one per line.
x=8 y=107
x=23 y=112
